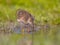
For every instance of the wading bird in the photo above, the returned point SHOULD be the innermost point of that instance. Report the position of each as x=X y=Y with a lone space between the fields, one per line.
x=25 y=19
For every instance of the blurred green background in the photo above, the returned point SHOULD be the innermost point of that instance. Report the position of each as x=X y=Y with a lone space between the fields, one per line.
x=42 y=10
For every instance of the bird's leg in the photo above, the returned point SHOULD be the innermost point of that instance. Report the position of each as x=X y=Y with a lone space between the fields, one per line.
x=23 y=32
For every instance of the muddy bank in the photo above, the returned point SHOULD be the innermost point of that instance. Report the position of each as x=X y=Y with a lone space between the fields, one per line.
x=15 y=27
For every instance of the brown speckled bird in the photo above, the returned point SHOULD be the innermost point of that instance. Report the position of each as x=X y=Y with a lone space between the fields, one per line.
x=24 y=17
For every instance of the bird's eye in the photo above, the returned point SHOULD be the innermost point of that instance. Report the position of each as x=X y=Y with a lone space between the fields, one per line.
x=20 y=13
